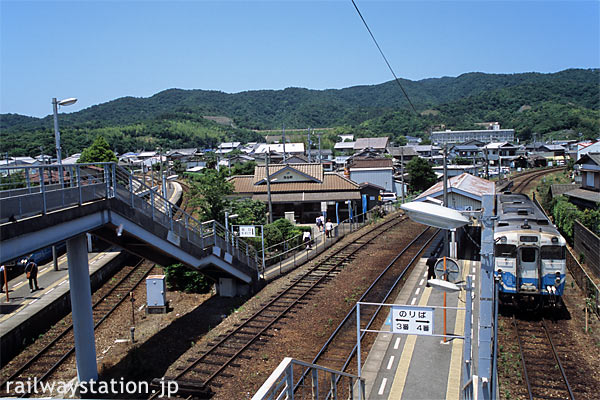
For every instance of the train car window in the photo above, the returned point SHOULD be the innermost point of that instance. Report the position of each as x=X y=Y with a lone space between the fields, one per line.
x=530 y=239
x=553 y=253
x=528 y=254
x=505 y=250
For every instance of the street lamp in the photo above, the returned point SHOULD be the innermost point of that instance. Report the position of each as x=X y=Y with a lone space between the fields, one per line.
x=55 y=104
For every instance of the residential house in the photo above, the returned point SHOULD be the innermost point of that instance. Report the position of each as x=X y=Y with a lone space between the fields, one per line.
x=587 y=147
x=228 y=147
x=290 y=148
x=344 y=148
x=379 y=144
x=375 y=170
x=465 y=192
x=500 y=153
x=588 y=196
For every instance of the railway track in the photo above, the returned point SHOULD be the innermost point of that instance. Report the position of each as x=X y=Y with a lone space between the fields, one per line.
x=543 y=372
x=339 y=352
x=58 y=344
x=520 y=182
x=212 y=366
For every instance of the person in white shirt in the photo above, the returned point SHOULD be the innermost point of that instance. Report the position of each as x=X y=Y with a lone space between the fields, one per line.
x=329 y=228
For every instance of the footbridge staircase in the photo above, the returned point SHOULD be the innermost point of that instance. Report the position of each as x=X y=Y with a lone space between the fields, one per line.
x=50 y=204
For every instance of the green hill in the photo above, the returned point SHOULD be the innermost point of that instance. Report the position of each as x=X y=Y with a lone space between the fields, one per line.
x=566 y=101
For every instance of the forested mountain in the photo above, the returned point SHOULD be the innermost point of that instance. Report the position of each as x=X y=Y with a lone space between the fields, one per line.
x=530 y=103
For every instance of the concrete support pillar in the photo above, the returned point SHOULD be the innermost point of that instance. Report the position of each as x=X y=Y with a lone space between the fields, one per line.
x=81 y=306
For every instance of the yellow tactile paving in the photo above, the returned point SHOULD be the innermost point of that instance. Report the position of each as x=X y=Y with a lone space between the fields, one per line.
x=407 y=352
x=454 y=381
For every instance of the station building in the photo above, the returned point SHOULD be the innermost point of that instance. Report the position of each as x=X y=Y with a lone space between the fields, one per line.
x=302 y=189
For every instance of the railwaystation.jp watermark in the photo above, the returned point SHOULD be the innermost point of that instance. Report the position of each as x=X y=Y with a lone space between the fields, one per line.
x=33 y=386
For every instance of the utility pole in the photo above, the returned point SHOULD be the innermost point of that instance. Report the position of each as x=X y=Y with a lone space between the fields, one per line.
x=308 y=143
x=446 y=247
x=487 y=164
x=269 y=186
x=283 y=138
x=402 y=170
x=320 y=155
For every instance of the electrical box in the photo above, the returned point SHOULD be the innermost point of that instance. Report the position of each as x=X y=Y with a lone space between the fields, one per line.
x=156 y=291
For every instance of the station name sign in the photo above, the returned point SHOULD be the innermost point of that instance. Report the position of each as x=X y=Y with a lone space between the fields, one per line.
x=247 y=231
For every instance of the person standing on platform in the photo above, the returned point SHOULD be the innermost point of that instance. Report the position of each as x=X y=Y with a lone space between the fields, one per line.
x=31 y=269
x=329 y=228
x=2 y=283
x=431 y=268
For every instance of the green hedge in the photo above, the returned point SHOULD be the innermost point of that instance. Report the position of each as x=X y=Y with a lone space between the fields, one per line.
x=180 y=277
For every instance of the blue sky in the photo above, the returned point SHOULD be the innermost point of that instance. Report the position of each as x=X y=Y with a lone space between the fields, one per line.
x=98 y=51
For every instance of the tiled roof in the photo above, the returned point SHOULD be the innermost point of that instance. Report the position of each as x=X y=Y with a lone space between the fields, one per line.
x=344 y=145
x=331 y=182
x=242 y=183
x=558 y=189
x=376 y=143
x=371 y=163
x=465 y=182
x=583 y=194
x=595 y=157
x=313 y=170
x=407 y=151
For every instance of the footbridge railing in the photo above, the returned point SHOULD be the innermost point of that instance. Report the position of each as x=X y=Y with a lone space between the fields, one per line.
x=321 y=383
x=26 y=191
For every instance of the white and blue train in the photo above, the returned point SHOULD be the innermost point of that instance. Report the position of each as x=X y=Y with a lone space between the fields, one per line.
x=530 y=253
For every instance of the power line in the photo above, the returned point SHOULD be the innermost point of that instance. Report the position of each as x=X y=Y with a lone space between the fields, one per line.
x=384 y=58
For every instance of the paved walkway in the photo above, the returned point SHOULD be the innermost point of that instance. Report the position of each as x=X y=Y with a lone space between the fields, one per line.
x=420 y=367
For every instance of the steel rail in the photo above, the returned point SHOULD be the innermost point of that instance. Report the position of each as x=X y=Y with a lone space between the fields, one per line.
x=395 y=220
x=378 y=309
x=525 y=375
x=562 y=370
x=554 y=353
x=67 y=330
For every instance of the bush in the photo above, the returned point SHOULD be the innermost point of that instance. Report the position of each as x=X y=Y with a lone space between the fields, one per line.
x=180 y=277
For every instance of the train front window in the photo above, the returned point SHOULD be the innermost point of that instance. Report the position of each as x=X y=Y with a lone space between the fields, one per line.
x=505 y=250
x=528 y=254
x=553 y=253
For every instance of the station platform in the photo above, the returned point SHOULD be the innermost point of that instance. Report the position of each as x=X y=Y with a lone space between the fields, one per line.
x=413 y=367
x=27 y=313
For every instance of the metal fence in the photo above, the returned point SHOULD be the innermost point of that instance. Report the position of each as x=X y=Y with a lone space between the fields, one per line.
x=584 y=281
x=323 y=383
x=293 y=253
x=34 y=190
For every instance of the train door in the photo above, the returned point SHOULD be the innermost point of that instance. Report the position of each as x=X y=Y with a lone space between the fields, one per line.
x=528 y=269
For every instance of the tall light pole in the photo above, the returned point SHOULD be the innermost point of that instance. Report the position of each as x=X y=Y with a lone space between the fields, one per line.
x=55 y=104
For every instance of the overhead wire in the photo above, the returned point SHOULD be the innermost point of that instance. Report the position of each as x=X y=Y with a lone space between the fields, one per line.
x=384 y=57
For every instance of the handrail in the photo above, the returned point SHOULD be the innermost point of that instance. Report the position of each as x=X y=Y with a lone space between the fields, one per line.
x=40 y=189
x=279 y=384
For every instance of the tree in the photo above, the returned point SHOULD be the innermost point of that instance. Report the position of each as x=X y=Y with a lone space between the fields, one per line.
x=99 y=151
x=208 y=191
x=421 y=174
x=249 y=212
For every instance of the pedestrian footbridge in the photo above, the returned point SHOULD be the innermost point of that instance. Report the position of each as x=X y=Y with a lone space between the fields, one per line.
x=57 y=203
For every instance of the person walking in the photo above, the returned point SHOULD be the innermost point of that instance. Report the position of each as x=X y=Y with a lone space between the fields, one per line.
x=31 y=270
x=431 y=268
x=319 y=223
x=329 y=228
x=306 y=239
